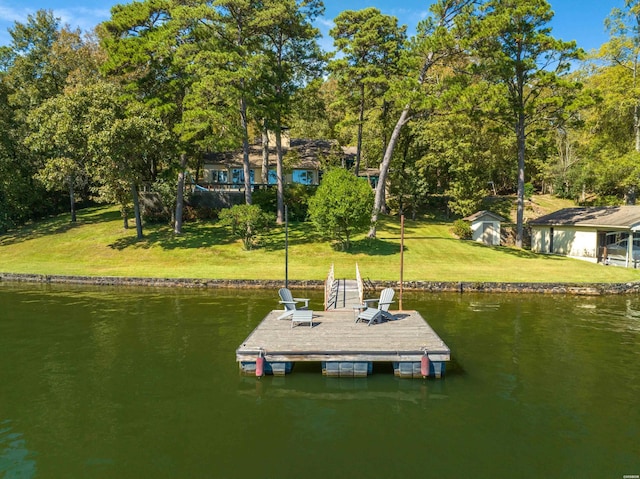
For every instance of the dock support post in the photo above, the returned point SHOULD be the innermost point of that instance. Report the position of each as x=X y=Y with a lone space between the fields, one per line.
x=438 y=368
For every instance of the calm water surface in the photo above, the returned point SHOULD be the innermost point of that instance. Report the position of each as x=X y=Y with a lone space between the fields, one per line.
x=124 y=383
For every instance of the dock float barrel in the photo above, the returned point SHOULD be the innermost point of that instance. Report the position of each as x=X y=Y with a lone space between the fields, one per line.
x=260 y=365
x=424 y=365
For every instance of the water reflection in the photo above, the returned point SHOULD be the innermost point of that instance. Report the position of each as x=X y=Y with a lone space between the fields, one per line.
x=16 y=461
x=342 y=389
x=620 y=317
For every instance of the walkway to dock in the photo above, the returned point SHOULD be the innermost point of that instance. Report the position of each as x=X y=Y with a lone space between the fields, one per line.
x=345 y=294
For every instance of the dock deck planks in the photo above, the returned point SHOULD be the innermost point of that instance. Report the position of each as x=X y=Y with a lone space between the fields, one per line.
x=335 y=336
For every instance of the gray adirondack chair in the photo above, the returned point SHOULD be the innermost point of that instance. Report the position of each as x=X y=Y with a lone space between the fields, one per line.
x=290 y=303
x=373 y=315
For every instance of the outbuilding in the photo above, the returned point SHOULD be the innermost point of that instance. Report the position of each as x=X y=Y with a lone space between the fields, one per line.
x=485 y=227
x=608 y=235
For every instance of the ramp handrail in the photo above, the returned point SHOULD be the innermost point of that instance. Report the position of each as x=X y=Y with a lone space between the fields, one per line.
x=360 y=285
x=329 y=292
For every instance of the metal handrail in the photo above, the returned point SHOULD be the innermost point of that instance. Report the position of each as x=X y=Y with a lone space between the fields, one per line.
x=328 y=288
x=360 y=285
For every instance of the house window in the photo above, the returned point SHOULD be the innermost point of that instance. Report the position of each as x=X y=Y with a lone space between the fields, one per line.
x=237 y=176
x=273 y=177
x=615 y=237
x=219 y=176
x=304 y=177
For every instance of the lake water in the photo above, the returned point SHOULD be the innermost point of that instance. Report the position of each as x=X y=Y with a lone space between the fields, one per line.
x=133 y=383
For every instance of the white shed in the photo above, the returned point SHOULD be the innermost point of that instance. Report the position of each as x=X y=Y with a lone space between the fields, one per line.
x=485 y=227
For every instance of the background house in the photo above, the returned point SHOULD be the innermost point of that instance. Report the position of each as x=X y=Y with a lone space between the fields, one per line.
x=594 y=234
x=303 y=160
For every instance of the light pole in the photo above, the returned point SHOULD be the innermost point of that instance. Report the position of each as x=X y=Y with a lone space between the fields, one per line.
x=401 y=259
x=286 y=247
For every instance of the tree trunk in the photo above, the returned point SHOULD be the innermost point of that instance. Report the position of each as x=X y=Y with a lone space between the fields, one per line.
x=636 y=109
x=72 y=200
x=520 y=135
x=136 y=209
x=280 y=175
x=245 y=150
x=265 y=155
x=177 y=225
x=385 y=122
x=379 y=202
x=636 y=126
x=154 y=169
x=630 y=195
x=356 y=169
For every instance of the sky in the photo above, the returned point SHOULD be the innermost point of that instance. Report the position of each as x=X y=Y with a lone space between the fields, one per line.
x=580 y=20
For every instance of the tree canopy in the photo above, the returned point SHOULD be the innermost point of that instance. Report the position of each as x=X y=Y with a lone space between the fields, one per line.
x=482 y=99
x=341 y=206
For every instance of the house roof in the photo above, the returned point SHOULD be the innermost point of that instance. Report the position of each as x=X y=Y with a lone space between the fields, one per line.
x=484 y=214
x=621 y=217
x=308 y=152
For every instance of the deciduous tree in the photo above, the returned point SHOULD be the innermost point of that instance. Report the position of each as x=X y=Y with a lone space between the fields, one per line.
x=613 y=122
x=341 y=206
x=59 y=135
x=41 y=60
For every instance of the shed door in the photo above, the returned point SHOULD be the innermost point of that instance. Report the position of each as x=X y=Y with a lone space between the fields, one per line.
x=488 y=233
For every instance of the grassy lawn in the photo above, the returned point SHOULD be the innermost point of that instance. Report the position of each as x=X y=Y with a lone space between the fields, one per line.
x=99 y=246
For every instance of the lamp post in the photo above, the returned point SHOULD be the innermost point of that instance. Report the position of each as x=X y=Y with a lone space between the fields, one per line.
x=401 y=260
x=286 y=247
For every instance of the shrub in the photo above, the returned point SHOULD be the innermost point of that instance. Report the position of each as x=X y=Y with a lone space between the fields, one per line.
x=246 y=222
x=296 y=197
x=341 y=206
x=153 y=208
x=266 y=199
x=189 y=213
x=528 y=190
x=462 y=229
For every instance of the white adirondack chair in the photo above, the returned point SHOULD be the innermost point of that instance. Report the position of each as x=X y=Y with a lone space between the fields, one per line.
x=290 y=303
x=373 y=315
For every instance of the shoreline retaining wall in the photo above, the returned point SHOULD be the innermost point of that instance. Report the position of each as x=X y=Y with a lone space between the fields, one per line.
x=588 y=289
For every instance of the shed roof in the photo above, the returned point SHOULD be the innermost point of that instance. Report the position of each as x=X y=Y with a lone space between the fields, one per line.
x=627 y=217
x=484 y=215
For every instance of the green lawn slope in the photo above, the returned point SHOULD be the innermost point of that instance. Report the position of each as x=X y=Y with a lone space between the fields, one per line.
x=98 y=245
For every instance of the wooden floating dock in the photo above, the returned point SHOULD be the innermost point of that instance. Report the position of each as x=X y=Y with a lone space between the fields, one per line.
x=345 y=348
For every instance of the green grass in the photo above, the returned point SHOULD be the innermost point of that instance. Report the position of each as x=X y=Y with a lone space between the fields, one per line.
x=98 y=245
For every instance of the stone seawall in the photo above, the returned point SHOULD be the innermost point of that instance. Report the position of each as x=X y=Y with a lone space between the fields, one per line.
x=589 y=289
